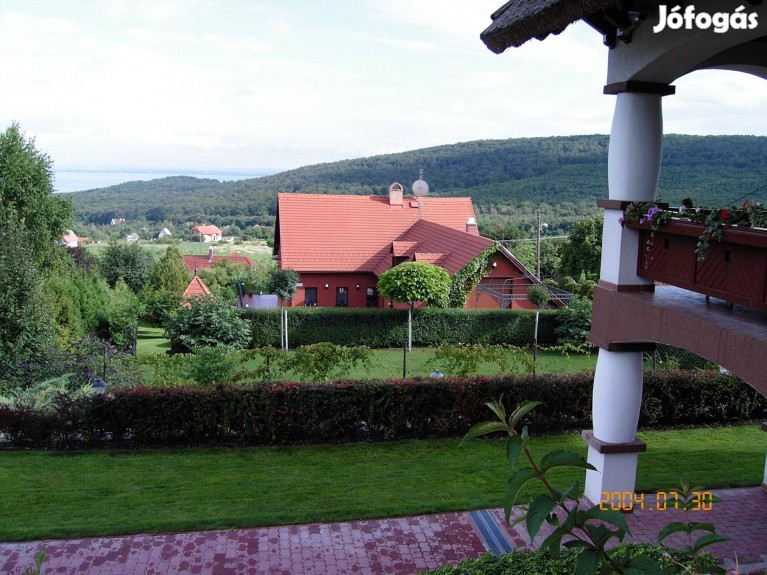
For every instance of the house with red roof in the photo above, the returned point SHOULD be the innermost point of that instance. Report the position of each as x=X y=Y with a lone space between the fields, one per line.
x=341 y=244
x=196 y=263
x=207 y=233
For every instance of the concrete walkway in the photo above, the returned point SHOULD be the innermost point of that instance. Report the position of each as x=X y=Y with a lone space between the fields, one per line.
x=399 y=546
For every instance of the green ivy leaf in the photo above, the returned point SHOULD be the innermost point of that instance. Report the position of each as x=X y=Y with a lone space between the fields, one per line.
x=499 y=409
x=671 y=528
x=524 y=408
x=484 y=428
x=564 y=459
x=707 y=540
x=642 y=565
x=610 y=516
x=513 y=447
x=588 y=561
x=539 y=509
x=516 y=482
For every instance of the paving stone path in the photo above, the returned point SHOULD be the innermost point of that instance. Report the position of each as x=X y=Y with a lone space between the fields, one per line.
x=400 y=546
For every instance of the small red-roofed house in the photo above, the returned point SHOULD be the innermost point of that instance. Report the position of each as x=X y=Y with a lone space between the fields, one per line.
x=196 y=263
x=207 y=233
x=341 y=244
x=72 y=240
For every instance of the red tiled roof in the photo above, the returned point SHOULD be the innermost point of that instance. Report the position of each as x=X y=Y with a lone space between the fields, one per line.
x=193 y=263
x=206 y=230
x=196 y=288
x=347 y=233
x=449 y=248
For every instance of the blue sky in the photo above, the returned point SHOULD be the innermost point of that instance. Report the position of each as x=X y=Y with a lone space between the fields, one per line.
x=249 y=85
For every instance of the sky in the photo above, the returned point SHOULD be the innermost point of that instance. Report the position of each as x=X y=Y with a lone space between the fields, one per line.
x=277 y=84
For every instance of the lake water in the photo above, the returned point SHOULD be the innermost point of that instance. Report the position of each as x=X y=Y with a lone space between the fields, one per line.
x=79 y=180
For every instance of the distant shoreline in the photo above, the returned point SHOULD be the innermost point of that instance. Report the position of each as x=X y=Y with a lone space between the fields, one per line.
x=77 y=180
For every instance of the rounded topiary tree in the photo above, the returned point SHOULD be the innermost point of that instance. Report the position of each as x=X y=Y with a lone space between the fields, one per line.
x=412 y=282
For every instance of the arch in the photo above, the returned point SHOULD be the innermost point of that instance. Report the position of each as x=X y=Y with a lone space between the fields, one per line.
x=669 y=54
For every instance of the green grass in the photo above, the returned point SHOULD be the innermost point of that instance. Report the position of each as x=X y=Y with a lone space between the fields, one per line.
x=48 y=494
x=151 y=340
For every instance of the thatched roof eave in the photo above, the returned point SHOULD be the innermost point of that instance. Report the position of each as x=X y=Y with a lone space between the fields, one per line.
x=518 y=21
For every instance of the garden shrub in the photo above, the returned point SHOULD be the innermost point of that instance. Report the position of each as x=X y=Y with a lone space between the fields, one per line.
x=207 y=322
x=529 y=563
x=325 y=361
x=380 y=328
x=286 y=412
x=464 y=360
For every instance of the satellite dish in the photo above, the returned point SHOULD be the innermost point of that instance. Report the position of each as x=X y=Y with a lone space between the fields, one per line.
x=420 y=187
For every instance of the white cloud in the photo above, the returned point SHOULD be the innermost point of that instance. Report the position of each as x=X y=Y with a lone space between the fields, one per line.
x=213 y=84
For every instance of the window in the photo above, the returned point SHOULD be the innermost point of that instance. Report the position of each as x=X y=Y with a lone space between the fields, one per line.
x=371 y=300
x=310 y=297
x=342 y=297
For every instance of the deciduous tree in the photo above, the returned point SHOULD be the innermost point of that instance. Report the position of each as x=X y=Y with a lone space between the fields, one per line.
x=413 y=282
x=26 y=193
x=283 y=283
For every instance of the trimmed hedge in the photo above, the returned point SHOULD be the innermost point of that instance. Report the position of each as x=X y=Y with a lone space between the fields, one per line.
x=379 y=328
x=280 y=413
x=529 y=563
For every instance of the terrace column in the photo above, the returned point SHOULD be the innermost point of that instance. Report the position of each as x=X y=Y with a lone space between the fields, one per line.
x=764 y=481
x=636 y=142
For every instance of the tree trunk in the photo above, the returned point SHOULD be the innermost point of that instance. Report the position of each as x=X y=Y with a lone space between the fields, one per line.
x=410 y=328
x=535 y=339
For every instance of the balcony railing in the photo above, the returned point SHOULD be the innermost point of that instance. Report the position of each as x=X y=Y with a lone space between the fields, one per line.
x=734 y=269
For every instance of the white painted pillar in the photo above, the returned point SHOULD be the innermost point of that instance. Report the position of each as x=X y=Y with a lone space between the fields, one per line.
x=636 y=142
x=764 y=481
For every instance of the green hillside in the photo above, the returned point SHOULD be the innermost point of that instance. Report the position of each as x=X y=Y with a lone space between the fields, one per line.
x=507 y=179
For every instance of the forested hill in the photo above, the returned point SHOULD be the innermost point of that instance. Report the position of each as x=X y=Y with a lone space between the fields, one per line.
x=502 y=176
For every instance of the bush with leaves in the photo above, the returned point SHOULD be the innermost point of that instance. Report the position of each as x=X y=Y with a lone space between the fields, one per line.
x=526 y=563
x=206 y=367
x=575 y=323
x=127 y=261
x=464 y=360
x=325 y=361
x=207 y=322
x=122 y=316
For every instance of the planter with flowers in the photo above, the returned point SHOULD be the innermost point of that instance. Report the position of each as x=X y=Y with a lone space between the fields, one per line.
x=716 y=252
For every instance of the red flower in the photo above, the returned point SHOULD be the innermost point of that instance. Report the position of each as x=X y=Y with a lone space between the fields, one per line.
x=745 y=204
x=725 y=214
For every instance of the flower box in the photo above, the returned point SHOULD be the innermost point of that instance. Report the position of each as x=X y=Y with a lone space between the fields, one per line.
x=734 y=269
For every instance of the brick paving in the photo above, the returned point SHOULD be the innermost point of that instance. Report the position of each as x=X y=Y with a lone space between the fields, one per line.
x=400 y=546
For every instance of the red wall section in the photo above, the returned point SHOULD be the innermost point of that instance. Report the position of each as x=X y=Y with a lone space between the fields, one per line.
x=326 y=297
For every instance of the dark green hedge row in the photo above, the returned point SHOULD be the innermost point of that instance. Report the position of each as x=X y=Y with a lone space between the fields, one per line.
x=388 y=327
x=280 y=413
x=526 y=563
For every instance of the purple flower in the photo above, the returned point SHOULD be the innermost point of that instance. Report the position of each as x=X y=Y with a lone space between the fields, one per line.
x=641 y=220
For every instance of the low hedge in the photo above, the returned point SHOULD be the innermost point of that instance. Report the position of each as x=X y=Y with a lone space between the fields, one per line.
x=379 y=328
x=529 y=563
x=281 y=413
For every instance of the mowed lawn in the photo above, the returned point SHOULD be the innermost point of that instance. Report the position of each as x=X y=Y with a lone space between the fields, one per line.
x=50 y=494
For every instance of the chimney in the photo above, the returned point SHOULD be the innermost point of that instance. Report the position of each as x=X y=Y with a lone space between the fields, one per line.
x=471 y=226
x=395 y=194
x=210 y=255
